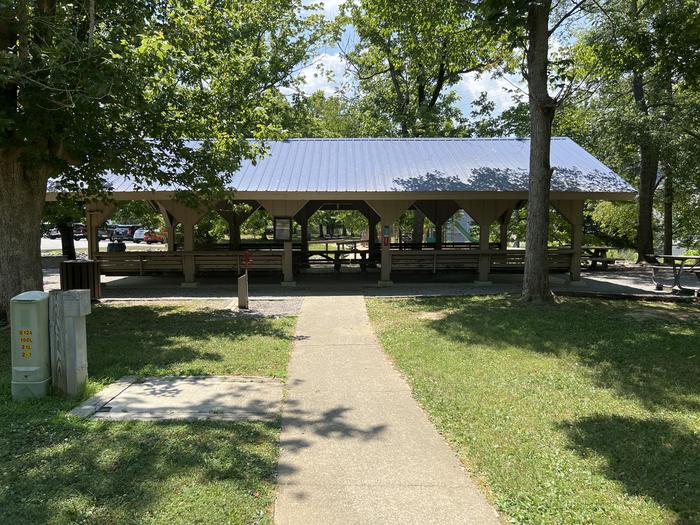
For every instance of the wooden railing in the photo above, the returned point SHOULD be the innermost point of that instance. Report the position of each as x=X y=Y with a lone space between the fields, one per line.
x=452 y=259
x=148 y=263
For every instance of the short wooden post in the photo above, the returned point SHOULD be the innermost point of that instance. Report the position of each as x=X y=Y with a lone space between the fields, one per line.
x=288 y=265
x=243 y=291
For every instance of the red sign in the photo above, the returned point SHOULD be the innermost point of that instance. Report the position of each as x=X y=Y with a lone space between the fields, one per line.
x=247 y=259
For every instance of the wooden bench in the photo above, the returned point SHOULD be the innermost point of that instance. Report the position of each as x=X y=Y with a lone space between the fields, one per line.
x=433 y=261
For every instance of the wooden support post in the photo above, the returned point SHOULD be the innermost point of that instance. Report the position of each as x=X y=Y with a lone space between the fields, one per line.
x=236 y=216
x=439 y=212
x=484 y=256
x=304 y=225
x=485 y=213
x=288 y=265
x=572 y=211
x=188 y=217
x=95 y=214
x=388 y=212
x=188 y=263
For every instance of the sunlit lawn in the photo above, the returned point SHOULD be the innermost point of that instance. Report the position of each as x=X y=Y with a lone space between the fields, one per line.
x=580 y=412
x=59 y=469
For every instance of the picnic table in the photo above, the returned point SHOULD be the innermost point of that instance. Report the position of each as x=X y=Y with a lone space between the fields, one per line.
x=678 y=264
x=595 y=255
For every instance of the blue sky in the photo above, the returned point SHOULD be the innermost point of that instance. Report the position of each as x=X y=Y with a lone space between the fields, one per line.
x=468 y=89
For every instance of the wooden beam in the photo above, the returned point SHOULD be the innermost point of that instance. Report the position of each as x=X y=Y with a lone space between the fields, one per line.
x=283 y=208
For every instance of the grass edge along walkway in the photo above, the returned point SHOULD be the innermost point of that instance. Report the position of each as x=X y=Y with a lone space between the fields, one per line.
x=581 y=412
x=55 y=468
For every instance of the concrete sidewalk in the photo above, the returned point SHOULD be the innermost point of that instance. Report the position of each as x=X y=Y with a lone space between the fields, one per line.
x=355 y=446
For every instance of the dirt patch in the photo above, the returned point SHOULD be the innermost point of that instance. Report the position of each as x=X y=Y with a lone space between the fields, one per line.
x=663 y=314
x=432 y=316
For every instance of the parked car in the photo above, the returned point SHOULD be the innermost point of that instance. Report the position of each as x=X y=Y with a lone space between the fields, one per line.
x=138 y=235
x=79 y=231
x=152 y=236
x=124 y=232
x=53 y=233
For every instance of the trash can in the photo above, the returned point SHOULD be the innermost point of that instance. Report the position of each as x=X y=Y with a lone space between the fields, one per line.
x=31 y=361
x=114 y=247
x=82 y=275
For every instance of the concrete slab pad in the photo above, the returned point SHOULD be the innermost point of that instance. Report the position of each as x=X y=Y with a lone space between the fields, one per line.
x=226 y=398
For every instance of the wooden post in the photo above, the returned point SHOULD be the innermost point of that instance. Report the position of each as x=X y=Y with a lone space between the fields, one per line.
x=288 y=265
x=243 y=291
x=95 y=213
x=385 y=274
x=188 y=265
x=572 y=211
x=484 y=258
x=388 y=211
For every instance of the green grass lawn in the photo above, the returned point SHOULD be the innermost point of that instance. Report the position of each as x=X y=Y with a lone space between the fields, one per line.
x=580 y=412
x=59 y=469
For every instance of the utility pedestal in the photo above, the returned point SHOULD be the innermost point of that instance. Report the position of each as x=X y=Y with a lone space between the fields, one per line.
x=68 y=340
x=31 y=369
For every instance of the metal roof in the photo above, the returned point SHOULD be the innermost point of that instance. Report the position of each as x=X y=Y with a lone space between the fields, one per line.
x=413 y=165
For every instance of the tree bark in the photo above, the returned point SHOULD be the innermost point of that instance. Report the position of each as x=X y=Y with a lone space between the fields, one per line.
x=22 y=196
x=542 y=107
x=668 y=213
x=67 y=241
x=418 y=226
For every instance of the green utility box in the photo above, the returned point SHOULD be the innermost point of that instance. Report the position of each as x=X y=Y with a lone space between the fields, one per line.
x=31 y=364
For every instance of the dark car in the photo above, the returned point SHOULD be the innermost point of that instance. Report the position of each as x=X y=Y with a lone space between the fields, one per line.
x=79 y=231
x=124 y=232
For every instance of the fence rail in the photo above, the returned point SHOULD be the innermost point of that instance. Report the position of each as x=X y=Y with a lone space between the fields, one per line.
x=148 y=263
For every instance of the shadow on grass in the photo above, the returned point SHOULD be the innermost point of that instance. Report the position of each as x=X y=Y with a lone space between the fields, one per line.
x=72 y=470
x=653 y=458
x=140 y=340
x=654 y=361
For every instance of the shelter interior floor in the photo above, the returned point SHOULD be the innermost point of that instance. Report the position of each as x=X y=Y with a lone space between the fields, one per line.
x=632 y=281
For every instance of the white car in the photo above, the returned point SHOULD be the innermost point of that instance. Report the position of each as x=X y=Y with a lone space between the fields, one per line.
x=139 y=235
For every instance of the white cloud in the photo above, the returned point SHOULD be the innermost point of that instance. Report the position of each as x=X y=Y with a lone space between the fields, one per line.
x=331 y=7
x=327 y=73
x=500 y=90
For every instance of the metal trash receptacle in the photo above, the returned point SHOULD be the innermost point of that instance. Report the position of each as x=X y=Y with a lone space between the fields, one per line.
x=82 y=275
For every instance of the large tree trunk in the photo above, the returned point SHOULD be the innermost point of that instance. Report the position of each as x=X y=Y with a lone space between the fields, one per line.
x=418 y=226
x=542 y=107
x=648 y=169
x=668 y=213
x=67 y=241
x=22 y=195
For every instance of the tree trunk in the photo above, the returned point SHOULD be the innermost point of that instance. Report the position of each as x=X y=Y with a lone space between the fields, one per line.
x=648 y=169
x=668 y=213
x=418 y=226
x=67 y=241
x=22 y=195
x=649 y=160
x=542 y=106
